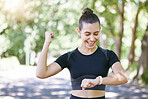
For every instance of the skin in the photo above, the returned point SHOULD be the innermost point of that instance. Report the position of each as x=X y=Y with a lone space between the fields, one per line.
x=89 y=35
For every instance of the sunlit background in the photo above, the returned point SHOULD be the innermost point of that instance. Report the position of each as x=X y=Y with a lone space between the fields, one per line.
x=24 y=22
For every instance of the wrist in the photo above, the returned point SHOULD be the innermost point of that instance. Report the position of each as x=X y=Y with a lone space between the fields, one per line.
x=46 y=45
x=47 y=42
x=99 y=80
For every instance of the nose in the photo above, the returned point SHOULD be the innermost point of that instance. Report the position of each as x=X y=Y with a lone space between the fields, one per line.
x=92 y=38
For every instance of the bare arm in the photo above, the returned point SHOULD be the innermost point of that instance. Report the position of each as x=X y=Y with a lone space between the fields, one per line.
x=118 y=77
x=42 y=70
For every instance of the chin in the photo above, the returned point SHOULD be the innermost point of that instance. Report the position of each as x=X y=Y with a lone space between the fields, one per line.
x=91 y=46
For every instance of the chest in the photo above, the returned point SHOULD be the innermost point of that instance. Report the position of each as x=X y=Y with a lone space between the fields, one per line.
x=91 y=65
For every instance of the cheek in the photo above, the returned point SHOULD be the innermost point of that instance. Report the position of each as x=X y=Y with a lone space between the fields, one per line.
x=84 y=37
x=87 y=38
x=97 y=37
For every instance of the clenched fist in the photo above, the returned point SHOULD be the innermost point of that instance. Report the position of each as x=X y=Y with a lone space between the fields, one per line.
x=49 y=36
x=89 y=83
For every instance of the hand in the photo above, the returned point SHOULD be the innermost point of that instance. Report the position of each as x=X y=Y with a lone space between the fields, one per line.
x=49 y=36
x=89 y=83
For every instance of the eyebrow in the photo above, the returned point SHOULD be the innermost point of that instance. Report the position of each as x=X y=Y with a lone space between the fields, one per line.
x=90 y=32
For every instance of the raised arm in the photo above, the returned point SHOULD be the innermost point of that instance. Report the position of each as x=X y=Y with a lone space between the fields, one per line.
x=42 y=70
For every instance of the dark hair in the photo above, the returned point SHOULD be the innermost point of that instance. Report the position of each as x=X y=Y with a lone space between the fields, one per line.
x=88 y=17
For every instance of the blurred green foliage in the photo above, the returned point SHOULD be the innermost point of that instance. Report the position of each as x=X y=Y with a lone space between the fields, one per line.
x=132 y=71
x=24 y=22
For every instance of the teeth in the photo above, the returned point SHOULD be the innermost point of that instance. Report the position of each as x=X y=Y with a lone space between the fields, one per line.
x=91 y=42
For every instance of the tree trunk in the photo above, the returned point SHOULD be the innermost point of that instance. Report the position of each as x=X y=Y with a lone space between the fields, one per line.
x=132 y=48
x=118 y=40
x=3 y=54
x=143 y=60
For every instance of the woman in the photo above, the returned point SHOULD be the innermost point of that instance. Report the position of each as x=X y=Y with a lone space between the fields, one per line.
x=88 y=64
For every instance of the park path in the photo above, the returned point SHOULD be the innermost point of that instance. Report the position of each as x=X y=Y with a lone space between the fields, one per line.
x=21 y=83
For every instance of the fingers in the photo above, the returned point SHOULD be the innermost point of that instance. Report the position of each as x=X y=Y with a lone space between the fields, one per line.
x=84 y=83
x=83 y=88
x=52 y=35
x=49 y=36
x=87 y=83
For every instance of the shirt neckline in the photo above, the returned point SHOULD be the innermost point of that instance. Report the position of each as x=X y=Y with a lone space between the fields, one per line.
x=88 y=54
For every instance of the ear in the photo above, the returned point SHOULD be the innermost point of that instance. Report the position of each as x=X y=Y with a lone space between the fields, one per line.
x=100 y=28
x=79 y=32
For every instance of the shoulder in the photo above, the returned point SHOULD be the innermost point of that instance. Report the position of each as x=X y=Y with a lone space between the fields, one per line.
x=105 y=51
x=112 y=57
x=64 y=55
x=110 y=52
x=63 y=60
x=68 y=53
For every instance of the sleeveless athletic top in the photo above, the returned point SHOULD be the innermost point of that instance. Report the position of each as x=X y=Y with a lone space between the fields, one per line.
x=87 y=66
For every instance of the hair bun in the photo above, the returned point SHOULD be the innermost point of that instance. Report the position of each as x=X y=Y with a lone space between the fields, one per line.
x=87 y=11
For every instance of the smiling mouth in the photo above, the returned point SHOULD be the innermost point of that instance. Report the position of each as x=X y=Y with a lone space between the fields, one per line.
x=90 y=43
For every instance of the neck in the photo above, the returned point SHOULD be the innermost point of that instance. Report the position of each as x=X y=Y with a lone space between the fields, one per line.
x=85 y=50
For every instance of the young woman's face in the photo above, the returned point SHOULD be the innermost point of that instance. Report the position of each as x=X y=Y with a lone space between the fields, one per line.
x=90 y=34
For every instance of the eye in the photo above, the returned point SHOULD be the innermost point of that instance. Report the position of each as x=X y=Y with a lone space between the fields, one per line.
x=87 y=34
x=96 y=34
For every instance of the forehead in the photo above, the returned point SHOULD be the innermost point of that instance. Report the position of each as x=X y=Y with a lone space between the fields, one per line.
x=90 y=26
